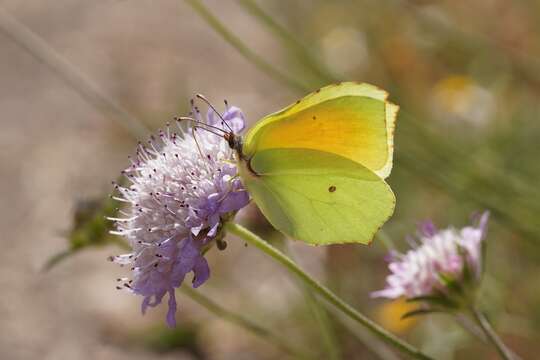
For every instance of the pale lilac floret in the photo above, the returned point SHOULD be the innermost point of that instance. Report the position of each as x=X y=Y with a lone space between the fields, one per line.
x=182 y=187
x=447 y=252
x=233 y=116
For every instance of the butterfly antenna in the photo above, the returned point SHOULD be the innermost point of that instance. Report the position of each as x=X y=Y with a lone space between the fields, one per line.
x=199 y=96
x=201 y=125
x=210 y=131
x=195 y=127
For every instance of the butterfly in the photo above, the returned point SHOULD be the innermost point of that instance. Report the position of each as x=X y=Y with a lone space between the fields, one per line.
x=316 y=169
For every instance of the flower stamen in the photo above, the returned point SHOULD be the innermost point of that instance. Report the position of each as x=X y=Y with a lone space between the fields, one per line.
x=182 y=189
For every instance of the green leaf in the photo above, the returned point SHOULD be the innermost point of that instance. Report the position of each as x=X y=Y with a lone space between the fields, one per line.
x=163 y=340
x=90 y=228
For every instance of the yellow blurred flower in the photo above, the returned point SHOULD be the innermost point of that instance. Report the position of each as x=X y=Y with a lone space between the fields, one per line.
x=389 y=315
x=345 y=49
x=460 y=97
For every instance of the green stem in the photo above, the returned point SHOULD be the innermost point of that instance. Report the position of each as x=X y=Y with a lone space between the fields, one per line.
x=91 y=92
x=321 y=316
x=328 y=335
x=235 y=42
x=245 y=323
x=302 y=53
x=373 y=344
x=491 y=335
x=57 y=258
x=324 y=292
x=386 y=240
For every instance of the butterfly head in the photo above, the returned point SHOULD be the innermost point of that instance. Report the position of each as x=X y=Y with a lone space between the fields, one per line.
x=234 y=141
x=226 y=126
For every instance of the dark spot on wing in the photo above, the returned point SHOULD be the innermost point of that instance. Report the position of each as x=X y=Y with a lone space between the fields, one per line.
x=297 y=102
x=314 y=117
x=318 y=91
x=332 y=189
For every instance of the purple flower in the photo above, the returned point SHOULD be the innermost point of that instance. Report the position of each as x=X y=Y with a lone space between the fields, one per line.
x=233 y=116
x=441 y=257
x=182 y=188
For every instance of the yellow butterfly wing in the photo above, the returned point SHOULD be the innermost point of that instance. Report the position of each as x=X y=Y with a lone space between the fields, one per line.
x=349 y=119
x=318 y=197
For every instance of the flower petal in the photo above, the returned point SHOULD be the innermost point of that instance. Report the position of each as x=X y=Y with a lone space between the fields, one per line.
x=201 y=272
x=171 y=313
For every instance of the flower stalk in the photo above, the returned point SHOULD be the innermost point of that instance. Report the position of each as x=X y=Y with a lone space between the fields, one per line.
x=482 y=321
x=324 y=292
x=320 y=314
x=245 y=323
x=243 y=49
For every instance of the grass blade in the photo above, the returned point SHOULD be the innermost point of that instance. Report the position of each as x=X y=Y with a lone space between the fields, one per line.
x=243 y=49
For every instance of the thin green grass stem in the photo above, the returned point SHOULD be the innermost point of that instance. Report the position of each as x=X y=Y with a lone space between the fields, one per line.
x=482 y=321
x=91 y=92
x=305 y=57
x=245 y=323
x=243 y=49
x=324 y=292
x=327 y=331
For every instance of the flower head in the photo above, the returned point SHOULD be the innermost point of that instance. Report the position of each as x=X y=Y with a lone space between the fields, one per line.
x=442 y=261
x=183 y=186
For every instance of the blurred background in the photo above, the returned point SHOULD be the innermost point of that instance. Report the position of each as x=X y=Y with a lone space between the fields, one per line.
x=81 y=80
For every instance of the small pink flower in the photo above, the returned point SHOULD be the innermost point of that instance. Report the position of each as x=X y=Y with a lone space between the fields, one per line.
x=441 y=256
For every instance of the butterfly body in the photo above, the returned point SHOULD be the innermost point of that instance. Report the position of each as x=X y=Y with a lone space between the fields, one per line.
x=316 y=169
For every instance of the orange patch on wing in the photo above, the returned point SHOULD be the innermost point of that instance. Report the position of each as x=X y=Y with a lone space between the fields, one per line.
x=354 y=128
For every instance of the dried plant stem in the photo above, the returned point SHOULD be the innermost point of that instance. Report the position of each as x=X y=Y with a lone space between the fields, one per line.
x=303 y=54
x=38 y=48
x=324 y=292
x=491 y=335
x=244 y=323
x=323 y=321
x=243 y=49
x=386 y=240
x=372 y=343
x=329 y=339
